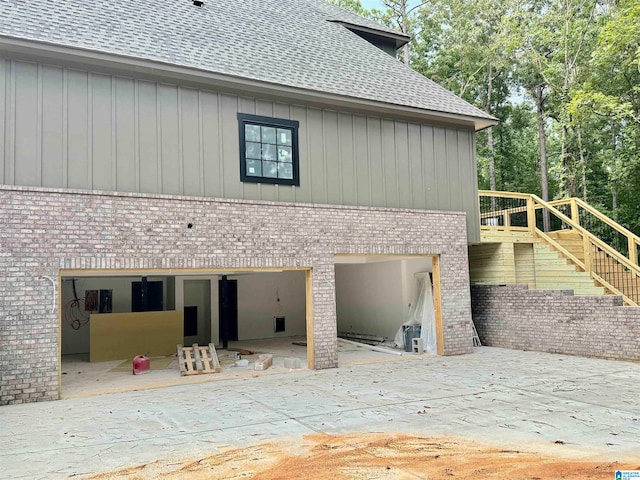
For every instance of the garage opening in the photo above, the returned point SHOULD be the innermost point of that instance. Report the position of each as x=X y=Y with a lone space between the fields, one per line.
x=107 y=319
x=387 y=306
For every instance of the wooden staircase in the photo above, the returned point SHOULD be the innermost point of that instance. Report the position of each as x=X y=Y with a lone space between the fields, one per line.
x=615 y=273
x=554 y=272
x=560 y=245
x=533 y=263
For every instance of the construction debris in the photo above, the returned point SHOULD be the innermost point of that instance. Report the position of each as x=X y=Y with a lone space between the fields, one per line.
x=362 y=338
x=476 y=338
x=141 y=364
x=372 y=347
x=292 y=363
x=263 y=362
x=197 y=360
x=241 y=351
x=417 y=345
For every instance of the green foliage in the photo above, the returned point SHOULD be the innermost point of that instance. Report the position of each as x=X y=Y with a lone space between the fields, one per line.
x=353 y=5
x=573 y=65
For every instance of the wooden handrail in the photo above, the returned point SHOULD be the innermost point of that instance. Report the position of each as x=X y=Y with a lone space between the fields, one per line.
x=601 y=216
x=495 y=193
x=595 y=240
x=568 y=201
x=607 y=220
x=534 y=203
x=585 y=266
x=504 y=211
x=632 y=239
x=562 y=201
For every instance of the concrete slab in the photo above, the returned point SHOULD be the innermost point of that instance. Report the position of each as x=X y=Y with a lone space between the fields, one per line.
x=521 y=400
x=80 y=378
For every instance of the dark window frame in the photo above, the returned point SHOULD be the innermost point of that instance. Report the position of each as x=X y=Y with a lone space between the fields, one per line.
x=293 y=125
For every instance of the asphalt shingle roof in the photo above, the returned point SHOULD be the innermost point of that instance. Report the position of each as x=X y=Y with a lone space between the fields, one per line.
x=289 y=42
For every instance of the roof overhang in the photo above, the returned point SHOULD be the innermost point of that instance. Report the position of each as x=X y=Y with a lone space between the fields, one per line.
x=400 y=39
x=107 y=63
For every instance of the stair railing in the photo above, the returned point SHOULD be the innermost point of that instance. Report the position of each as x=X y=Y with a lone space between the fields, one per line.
x=608 y=267
x=603 y=227
x=503 y=211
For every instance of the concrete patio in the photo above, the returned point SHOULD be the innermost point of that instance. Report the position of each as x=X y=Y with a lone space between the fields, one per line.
x=563 y=406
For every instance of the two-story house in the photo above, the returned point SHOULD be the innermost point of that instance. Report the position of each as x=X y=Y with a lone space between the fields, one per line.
x=259 y=168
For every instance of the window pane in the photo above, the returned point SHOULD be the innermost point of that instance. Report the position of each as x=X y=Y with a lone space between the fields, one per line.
x=252 y=133
x=253 y=150
x=270 y=169
x=254 y=168
x=269 y=152
x=284 y=154
x=284 y=136
x=285 y=170
x=268 y=134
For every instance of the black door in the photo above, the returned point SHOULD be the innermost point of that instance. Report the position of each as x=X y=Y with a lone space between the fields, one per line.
x=146 y=296
x=228 y=310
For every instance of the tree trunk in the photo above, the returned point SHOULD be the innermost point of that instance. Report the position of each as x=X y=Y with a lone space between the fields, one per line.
x=487 y=108
x=583 y=162
x=614 y=190
x=568 y=178
x=492 y=164
x=542 y=143
x=405 y=30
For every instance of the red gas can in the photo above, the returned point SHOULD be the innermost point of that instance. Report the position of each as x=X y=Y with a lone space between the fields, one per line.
x=140 y=365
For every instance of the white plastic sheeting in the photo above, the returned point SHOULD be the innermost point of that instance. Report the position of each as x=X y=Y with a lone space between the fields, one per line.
x=421 y=313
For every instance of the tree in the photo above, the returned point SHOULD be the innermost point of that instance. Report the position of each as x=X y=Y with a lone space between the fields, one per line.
x=608 y=100
x=461 y=46
x=353 y=5
x=563 y=78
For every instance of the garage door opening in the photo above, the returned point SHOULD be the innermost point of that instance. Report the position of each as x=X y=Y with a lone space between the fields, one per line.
x=107 y=319
x=384 y=302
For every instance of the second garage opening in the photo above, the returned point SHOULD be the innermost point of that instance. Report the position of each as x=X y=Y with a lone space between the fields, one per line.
x=387 y=300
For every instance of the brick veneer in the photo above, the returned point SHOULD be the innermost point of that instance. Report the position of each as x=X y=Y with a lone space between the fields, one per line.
x=556 y=321
x=46 y=230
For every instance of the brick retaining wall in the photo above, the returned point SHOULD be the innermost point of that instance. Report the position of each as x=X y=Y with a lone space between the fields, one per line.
x=46 y=230
x=556 y=321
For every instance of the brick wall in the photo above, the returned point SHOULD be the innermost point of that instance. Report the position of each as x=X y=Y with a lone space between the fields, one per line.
x=556 y=321
x=46 y=230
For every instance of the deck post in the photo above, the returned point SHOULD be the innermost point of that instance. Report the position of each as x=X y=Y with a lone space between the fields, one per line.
x=531 y=216
x=574 y=211
x=633 y=250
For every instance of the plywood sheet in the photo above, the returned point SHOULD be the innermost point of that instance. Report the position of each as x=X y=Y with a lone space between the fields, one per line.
x=117 y=336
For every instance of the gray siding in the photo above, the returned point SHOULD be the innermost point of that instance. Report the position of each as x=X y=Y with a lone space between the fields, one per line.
x=76 y=129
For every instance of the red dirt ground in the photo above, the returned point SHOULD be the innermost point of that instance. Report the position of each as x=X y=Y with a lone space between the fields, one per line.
x=377 y=456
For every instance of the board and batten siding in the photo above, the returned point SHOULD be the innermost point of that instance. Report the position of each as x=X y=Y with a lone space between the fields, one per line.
x=68 y=128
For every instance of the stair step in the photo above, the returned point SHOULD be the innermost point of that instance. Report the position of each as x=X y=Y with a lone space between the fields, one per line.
x=576 y=291
x=557 y=273
x=551 y=258
x=555 y=266
x=566 y=281
x=547 y=254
